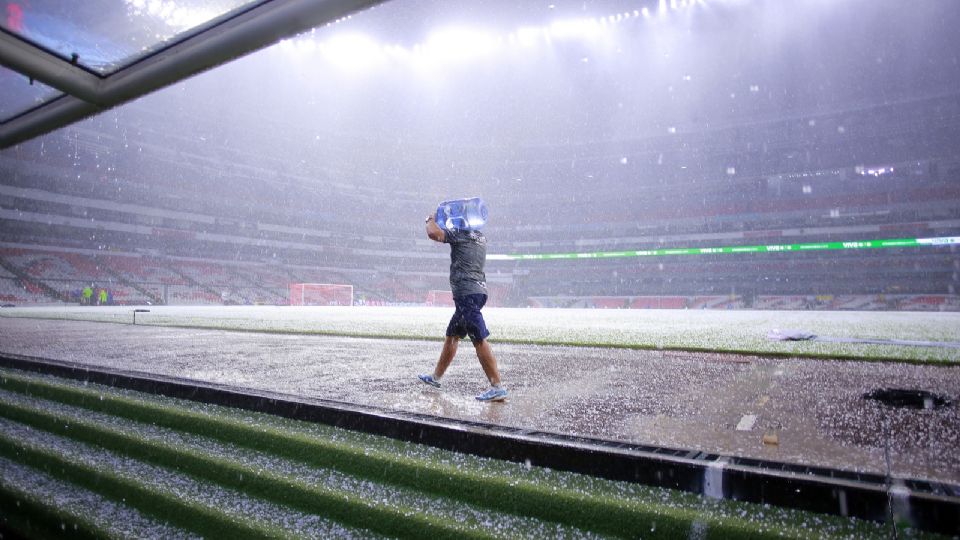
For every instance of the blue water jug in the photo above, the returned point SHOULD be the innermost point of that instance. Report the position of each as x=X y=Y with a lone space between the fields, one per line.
x=464 y=214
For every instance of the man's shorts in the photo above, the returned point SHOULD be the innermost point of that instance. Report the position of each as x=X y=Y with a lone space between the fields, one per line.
x=467 y=319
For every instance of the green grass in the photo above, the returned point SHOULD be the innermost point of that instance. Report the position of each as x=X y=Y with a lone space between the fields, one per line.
x=34 y=518
x=163 y=505
x=400 y=479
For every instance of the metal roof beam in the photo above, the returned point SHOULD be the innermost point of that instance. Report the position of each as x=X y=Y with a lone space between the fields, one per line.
x=47 y=68
x=246 y=32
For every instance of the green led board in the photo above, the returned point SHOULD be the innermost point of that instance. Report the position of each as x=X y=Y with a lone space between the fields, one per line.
x=769 y=248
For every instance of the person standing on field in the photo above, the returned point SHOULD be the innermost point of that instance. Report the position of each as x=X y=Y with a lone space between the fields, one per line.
x=468 y=254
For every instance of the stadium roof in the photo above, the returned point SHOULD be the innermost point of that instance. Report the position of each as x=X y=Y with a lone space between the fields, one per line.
x=65 y=61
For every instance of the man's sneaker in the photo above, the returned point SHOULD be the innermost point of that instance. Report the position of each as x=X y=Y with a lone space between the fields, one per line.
x=429 y=380
x=493 y=394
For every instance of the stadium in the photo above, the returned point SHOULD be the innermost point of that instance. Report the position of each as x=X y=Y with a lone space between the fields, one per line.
x=723 y=233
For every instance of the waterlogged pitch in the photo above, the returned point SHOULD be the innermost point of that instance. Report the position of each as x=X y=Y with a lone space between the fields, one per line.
x=702 y=330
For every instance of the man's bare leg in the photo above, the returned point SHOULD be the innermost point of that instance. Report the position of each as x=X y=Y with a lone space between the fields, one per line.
x=449 y=350
x=487 y=361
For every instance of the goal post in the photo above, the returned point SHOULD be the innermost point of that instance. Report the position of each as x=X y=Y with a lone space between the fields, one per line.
x=439 y=298
x=321 y=294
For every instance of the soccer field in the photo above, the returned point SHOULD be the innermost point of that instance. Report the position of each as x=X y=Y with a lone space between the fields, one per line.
x=705 y=330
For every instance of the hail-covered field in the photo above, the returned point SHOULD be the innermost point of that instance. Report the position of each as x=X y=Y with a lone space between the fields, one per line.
x=713 y=330
x=84 y=460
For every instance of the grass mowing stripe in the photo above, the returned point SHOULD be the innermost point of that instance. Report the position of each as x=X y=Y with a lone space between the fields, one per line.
x=449 y=509
x=605 y=514
x=196 y=491
x=79 y=507
x=32 y=518
x=347 y=508
x=602 y=514
x=204 y=521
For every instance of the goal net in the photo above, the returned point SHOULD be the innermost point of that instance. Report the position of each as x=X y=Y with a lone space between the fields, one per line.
x=439 y=298
x=321 y=294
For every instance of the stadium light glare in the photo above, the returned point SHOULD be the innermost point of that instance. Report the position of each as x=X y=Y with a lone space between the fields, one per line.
x=170 y=13
x=396 y=51
x=445 y=46
x=457 y=44
x=527 y=36
x=875 y=172
x=574 y=28
x=352 y=51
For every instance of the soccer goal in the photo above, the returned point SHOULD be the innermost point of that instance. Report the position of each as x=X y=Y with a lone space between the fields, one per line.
x=439 y=298
x=321 y=294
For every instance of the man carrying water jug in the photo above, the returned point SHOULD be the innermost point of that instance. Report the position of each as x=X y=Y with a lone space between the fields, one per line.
x=468 y=254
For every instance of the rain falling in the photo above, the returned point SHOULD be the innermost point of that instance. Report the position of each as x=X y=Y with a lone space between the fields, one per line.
x=713 y=241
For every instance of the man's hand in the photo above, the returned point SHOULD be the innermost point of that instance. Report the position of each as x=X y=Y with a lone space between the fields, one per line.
x=434 y=232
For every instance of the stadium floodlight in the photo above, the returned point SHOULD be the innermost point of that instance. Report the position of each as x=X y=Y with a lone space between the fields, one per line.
x=456 y=44
x=396 y=51
x=574 y=28
x=527 y=36
x=453 y=45
x=353 y=51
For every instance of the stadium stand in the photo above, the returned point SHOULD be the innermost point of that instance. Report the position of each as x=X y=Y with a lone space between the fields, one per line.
x=152 y=233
